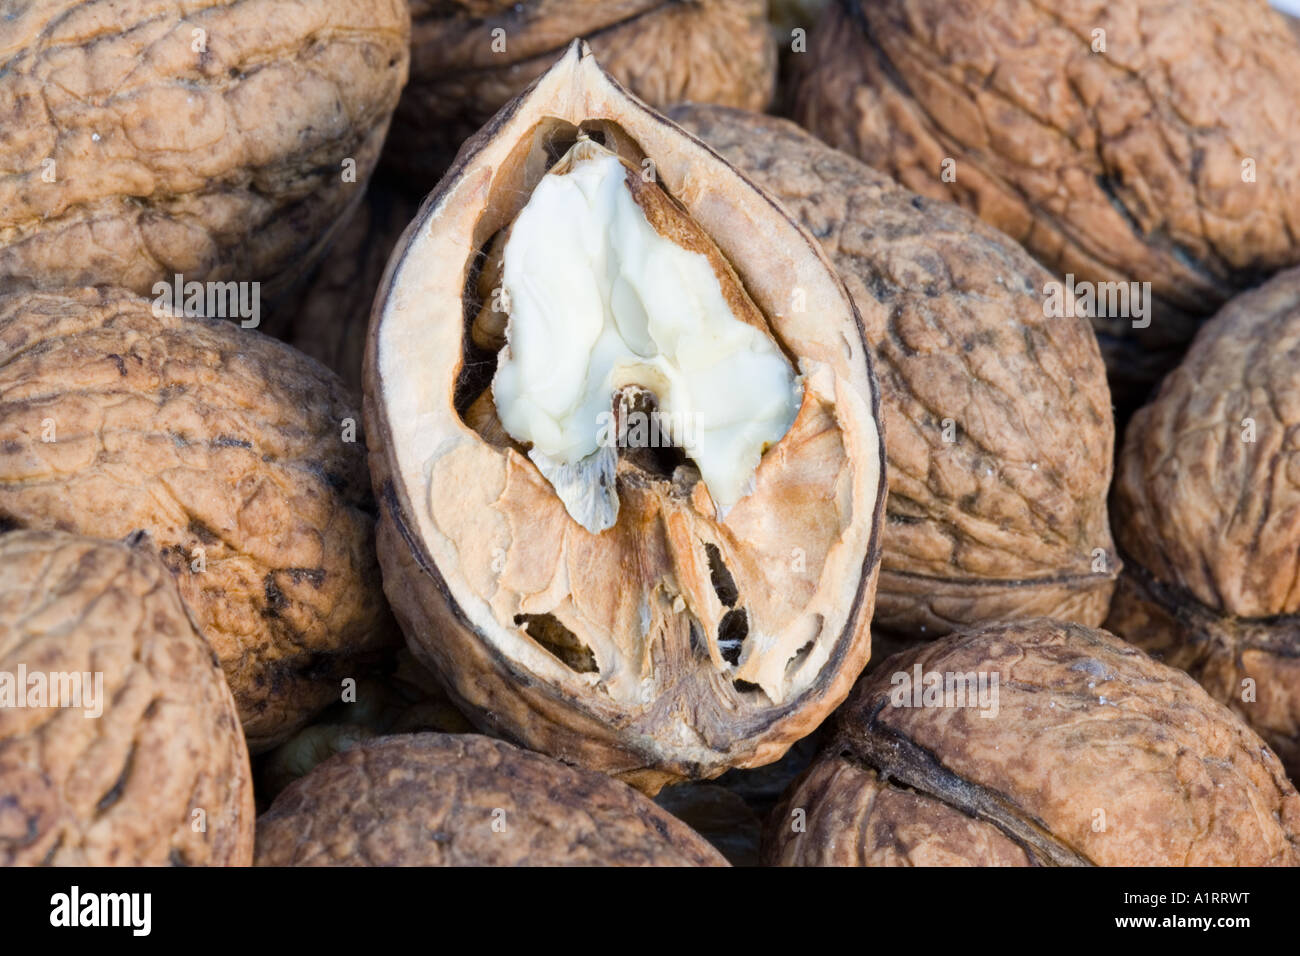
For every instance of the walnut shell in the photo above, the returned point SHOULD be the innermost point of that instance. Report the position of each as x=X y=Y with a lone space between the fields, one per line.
x=998 y=425
x=232 y=450
x=1123 y=165
x=663 y=51
x=1207 y=512
x=1086 y=751
x=329 y=318
x=606 y=650
x=466 y=800
x=142 y=142
x=154 y=771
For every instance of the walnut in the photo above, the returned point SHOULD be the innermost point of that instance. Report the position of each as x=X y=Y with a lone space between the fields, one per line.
x=1037 y=742
x=471 y=57
x=998 y=424
x=657 y=609
x=1207 y=511
x=219 y=141
x=132 y=752
x=1134 y=141
x=466 y=800
x=242 y=458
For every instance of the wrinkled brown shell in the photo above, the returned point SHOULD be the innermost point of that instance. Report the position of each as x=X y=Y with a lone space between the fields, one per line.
x=226 y=446
x=664 y=51
x=1097 y=754
x=466 y=800
x=477 y=549
x=221 y=163
x=161 y=776
x=329 y=318
x=1123 y=165
x=1209 y=522
x=1007 y=520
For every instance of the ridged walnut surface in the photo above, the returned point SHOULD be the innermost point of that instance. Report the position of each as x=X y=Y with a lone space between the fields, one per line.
x=228 y=448
x=218 y=155
x=1122 y=165
x=162 y=776
x=1004 y=520
x=466 y=800
x=664 y=51
x=1209 y=519
x=1097 y=755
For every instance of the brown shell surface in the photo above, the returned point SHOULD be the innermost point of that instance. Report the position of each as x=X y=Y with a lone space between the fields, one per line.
x=1006 y=519
x=1090 y=753
x=127 y=785
x=1207 y=512
x=467 y=800
x=227 y=447
x=329 y=318
x=663 y=51
x=143 y=140
x=1123 y=165
x=606 y=650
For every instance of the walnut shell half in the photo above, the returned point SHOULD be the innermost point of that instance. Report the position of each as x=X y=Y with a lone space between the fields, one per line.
x=998 y=424
x=1037 y=743
x=466 y=800
x=681 y=641
x=220 y=141
x=471 y=57
x=1139 y=140
x=1207 y=513
x=242 y=458
x=142 y=762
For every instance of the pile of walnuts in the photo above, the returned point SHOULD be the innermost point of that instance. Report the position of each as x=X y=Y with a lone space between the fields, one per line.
x=284 y=583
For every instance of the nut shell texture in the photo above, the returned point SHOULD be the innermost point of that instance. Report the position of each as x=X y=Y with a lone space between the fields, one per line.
x=144 y=140
x=997 y=418
x=1119 y=165
x=1207 y=507
x=230 y=449
x=466 y=800
x=1096 y=754
x=126 y=787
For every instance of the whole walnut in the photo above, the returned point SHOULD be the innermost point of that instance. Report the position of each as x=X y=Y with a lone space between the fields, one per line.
x=998 y=425
x=242 y=458
x=1037 y=743
x=1135 y=141
x=466 y=800
x=119 y=742
x=469 y=58
x=1207 y=512
x=219 y=141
